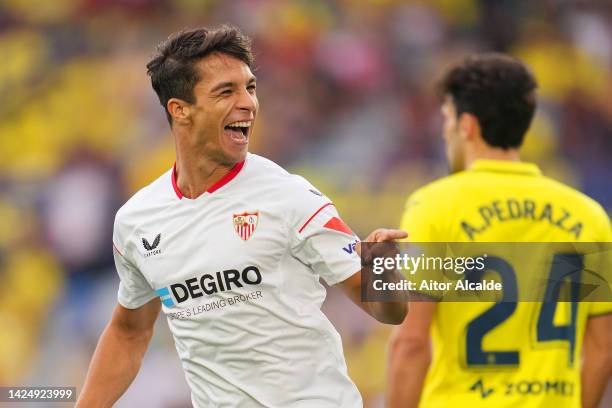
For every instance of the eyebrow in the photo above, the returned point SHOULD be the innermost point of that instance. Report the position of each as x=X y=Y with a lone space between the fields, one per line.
x=232 y=84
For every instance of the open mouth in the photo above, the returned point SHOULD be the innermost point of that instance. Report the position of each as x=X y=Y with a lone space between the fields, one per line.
x=238 y=131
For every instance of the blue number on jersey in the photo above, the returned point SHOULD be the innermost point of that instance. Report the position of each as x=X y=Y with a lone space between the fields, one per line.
x=564 y=267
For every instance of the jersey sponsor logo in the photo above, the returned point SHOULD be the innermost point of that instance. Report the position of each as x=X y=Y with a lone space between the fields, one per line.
x=245 y=224
x=151 y=248
x=525 y=388
x=350 y=248
x=337 y=224
x=546 y=387
x=478 y=386
x=165 y=297
x=208 y=284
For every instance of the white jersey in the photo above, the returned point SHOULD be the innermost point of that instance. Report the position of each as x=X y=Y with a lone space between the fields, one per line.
x=237 y=270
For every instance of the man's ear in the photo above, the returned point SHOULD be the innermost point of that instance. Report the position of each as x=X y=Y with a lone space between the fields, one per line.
x=468 y=126
x=179 y=110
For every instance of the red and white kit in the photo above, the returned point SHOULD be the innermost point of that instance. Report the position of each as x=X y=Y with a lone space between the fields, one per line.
x=237 y=270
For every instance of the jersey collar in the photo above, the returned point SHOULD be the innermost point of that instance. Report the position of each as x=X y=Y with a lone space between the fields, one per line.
x=220 y=183
x=505 y=166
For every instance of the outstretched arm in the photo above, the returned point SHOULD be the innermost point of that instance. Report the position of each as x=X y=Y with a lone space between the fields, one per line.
x=118 y=355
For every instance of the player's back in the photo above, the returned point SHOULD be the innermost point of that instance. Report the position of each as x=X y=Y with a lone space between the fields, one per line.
x=513 y=353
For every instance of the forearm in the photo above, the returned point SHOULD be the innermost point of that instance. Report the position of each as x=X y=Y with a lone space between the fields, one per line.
x=388 y=312
x=113 y=367
x=407 y=368
x=596 y=371
x=360 y=287
x=392 y=311
x=395 y=306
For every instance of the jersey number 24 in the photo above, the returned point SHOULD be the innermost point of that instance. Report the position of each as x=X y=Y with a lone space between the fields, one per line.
x=567 y=265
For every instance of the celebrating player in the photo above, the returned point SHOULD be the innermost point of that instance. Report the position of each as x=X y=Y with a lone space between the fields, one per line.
x=231 y=247
x=482 y=358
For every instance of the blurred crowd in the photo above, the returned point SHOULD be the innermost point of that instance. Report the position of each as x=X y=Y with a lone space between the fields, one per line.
x=347 y=99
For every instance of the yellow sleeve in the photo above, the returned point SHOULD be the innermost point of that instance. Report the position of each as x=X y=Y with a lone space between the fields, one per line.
x=601 y=308
x=607 y=227
x=417 y=220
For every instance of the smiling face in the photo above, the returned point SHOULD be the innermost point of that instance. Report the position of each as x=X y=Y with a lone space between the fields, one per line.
x=222 y=117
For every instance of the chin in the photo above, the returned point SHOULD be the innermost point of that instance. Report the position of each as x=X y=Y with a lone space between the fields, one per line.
x=235 y=155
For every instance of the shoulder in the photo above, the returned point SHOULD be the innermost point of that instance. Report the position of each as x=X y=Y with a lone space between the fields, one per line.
x=261 y=164
x=283 y=184
x=579 y=201
x=430 y=209
x=439 y=192
x=298 y=197
x=572 y=193
x=142 y=205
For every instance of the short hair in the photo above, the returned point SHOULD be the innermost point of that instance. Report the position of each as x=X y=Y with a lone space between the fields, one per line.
x=499 y=90
x=173 y=69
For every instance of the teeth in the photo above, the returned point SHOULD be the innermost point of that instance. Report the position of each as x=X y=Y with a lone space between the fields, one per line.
x=240 y=124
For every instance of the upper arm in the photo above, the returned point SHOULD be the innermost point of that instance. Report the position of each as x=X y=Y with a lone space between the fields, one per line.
x=319 y=237
x=134 y=289
x=352 y=287
x=414 y=331
x=136 y=321
x=599 y=332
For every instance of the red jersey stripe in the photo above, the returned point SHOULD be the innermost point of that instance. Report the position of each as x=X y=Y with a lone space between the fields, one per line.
x=312 y=216
x=337 y=224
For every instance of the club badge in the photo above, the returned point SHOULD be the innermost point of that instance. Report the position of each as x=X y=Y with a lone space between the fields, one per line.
x=245 y=224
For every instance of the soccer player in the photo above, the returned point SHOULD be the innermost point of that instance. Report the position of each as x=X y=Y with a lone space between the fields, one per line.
x=489 y=101
x=230 y=247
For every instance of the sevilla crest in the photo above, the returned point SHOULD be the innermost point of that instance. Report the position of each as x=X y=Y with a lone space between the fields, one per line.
x=245 y=224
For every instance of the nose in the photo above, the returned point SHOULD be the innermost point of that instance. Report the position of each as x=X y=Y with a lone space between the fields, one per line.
x=247 y=101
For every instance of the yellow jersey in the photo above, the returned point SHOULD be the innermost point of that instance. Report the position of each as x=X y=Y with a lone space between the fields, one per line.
x=527 y=355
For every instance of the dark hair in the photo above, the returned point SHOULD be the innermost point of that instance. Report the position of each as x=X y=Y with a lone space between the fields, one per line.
x=172 y=70
x=499 y=90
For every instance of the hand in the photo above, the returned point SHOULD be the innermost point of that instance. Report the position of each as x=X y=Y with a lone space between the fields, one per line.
x=382 y=235
x=386 y=235
x=389 y=307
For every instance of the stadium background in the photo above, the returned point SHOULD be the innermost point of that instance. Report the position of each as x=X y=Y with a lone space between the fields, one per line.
x=346 y=94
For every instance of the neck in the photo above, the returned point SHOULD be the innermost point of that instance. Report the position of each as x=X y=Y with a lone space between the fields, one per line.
x=488 y=153
x=196 y=170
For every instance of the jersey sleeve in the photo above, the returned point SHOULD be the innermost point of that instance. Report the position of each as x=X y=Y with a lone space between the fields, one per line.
x=134 y=290
x=600 y=308
x=605 y=307
x=320 y=239
x=419 y=222
x=416 y=220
